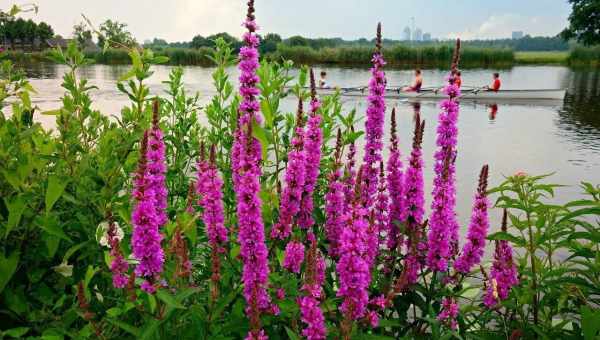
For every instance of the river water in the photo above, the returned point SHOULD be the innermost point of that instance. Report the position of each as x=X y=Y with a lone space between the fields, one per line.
x=560 y=137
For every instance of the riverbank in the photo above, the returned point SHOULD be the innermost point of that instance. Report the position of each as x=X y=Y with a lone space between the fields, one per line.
x=396 y=56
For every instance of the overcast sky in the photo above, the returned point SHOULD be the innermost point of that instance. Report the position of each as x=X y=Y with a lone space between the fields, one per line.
x=180 y=20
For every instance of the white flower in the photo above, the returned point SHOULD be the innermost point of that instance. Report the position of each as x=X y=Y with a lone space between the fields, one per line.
x=102 y=233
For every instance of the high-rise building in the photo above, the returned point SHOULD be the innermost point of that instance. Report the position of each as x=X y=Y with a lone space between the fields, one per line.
x=418 y=35
x=517 y=34
x=427 y=37
x=406 y=34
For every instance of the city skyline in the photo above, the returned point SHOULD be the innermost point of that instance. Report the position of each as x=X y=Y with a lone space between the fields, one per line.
x=180 y=20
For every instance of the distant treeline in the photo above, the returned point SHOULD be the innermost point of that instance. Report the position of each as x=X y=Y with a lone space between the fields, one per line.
x=271 y=40
x=396 y=56
x=20 y=32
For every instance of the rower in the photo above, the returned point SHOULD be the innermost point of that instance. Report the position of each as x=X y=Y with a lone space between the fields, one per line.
x=495 y=84
x=417 y=84
x=322 y=81
x=457 y=79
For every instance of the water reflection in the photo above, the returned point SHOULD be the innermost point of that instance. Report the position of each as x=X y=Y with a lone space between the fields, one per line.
x=535 y=137
x=493 y=111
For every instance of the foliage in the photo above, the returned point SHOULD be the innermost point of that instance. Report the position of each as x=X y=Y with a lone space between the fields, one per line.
x=61 y=188
x=585 y=56
x=115 y=34
x=25 y=31
x=82 y=34
x=395 y=55
x=547 y=57
x=583 y=22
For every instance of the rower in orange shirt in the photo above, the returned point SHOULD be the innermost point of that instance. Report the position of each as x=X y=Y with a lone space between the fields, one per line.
x=457 y=79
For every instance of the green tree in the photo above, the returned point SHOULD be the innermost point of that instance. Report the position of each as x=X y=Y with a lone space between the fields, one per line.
x=269 y=43
x=82 y=34
x=200 y=41
x=115 y=34
x=584 y=22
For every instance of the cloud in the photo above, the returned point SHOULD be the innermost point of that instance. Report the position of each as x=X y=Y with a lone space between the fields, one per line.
x=501 y=26
x=207 y=17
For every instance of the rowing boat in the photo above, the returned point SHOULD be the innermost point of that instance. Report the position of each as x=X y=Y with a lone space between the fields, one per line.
x=468 y=94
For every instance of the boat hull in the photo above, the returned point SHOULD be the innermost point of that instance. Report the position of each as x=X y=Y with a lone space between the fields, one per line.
x=549 y=94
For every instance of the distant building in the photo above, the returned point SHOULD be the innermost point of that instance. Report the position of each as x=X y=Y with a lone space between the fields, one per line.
x=406 y=34
x=427 y=37
x=517 y=34
x=418 y=35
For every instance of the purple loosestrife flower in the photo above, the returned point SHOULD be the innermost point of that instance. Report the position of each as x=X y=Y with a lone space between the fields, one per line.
x=335 y=202
x=353 y=266
x=375 y=121
x=503 y=273
x=443 y=233
x=444 y=226
x=312 y=315
x=394 y=186
x=146 y=238
x=119 y=265
x=310 y=312
x=246 y=157
x=414 y=204
x=294 y=256
x=291 y=196
x=209 y=188
x=249 y=107
x=157 y=167
x=312 y=151
x=472 y=251
x=449 y=313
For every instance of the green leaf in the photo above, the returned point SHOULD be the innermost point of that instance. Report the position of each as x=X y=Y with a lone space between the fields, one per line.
x=114 y=312
x=265 y=108
x=8 y=266
x=504 y=236
x=125 y=326
x=54 y=191
x=258 y=132
x=50 y=225
x=127 y=75
x=15 y=211
x=580 y=212
x=136 y=59
x=150 y=328
x=291 y=334
x=168 y=299
x=52 y=112
x=161 y=59
x=16 y=332
x=590 y=322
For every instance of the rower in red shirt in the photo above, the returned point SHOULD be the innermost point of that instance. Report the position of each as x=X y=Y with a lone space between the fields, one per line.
x=457 y=79
x=496 y=83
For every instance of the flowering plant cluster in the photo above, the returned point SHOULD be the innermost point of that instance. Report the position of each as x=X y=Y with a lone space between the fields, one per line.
x=374 y=216
x=235 y=220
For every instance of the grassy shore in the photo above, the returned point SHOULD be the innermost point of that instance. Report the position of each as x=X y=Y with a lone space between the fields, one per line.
x=585 y=56
x=542 y=57
x=396 y=56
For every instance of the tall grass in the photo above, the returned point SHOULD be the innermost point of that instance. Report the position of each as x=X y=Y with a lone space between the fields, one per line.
x=177 y=56
x=397 y=55
x=585 y=56
x=542 y=57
